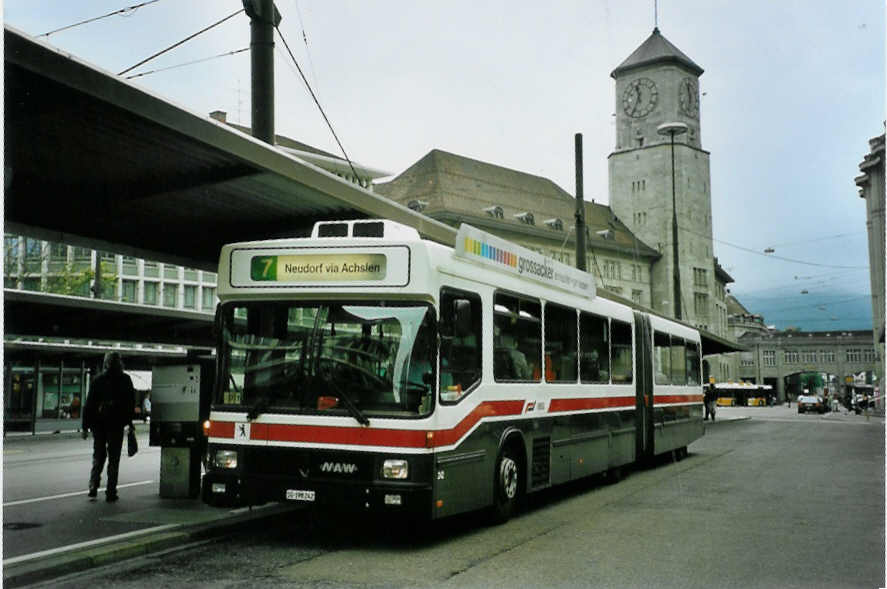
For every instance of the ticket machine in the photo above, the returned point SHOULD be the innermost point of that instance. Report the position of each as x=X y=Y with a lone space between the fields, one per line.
x=180 y=400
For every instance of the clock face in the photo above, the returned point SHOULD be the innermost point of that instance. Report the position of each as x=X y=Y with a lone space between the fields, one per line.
x=640 y=97
x=688 y=97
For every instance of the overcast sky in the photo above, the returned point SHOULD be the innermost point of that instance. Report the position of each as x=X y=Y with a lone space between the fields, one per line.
x=792 y=92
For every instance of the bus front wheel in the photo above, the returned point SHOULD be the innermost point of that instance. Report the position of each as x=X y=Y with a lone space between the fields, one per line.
x=507 y=486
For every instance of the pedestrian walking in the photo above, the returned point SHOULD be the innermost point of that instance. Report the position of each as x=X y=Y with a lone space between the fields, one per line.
x=146 y=408
x=710 y=399
x=108 y=410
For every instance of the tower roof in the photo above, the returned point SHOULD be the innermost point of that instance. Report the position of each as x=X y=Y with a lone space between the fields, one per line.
x=656 y=49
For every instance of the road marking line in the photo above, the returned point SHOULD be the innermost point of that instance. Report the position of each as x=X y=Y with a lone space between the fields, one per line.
x=90 y=543
x=63 y=495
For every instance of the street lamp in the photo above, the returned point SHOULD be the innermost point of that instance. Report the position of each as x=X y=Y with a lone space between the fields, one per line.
x=672 y=129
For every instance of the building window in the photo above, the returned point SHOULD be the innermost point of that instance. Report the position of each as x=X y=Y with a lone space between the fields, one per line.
x=700 y=304
x=170 y=294
x=868 y=355
x=151 y=269
x=612 y=270
x=128 y=294
x=495 y=211
x=190 y=297
x=808 y=356
x=636 y=295
x=525 y=218
x=827 y=356
x=33 y=249
x=150 y=293
x=854 y=355
x=791 y=357
x=700 y=277
x=209 y=297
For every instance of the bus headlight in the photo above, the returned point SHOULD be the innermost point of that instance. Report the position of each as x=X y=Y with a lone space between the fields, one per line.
x=395 y=468
x=225 y=459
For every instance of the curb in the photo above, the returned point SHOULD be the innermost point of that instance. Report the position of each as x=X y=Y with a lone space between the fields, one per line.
x=42 y=436
x=78 y=559
x=727 y=420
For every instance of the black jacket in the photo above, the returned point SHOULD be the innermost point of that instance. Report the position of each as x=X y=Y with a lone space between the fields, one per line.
x=111 y=401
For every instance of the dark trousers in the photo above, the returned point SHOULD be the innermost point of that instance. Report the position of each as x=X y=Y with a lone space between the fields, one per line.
x=106 y=444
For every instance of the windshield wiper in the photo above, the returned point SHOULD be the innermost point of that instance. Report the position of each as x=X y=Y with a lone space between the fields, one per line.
x=259 y=407
x=349 y=404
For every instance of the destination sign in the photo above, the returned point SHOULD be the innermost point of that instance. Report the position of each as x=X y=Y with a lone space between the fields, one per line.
x=322 y=267
x=319 y=268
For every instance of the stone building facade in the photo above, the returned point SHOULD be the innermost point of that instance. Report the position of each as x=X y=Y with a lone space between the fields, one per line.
x=871 y=189
x=774 y=356
x=529 y=210
x=656 y=86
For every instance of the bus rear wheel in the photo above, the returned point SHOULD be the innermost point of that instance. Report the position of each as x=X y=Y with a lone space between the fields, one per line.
x=507 y=486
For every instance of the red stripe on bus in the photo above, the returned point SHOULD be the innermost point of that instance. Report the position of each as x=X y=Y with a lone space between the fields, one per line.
x=678 y=399
x=362 y=436
x=489 y=409
x=221 y=429
x=356 y=436
x=557 y=405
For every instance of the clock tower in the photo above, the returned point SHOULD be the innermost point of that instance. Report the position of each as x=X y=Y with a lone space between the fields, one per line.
x=657 y=88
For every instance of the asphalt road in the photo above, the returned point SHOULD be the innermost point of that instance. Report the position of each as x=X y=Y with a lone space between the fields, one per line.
x=779 y=500
x=45 y=483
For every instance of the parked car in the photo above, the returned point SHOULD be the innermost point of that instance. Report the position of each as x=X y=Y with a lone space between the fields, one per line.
x=807 y=403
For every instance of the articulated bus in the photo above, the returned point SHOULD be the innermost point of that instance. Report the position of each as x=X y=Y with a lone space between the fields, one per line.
x=365 y=368
x=743 y=394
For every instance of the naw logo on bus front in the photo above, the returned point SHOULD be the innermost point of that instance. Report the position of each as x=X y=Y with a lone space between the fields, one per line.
x=338 y=468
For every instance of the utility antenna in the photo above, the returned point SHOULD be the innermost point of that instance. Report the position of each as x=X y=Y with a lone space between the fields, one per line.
x=655 y=14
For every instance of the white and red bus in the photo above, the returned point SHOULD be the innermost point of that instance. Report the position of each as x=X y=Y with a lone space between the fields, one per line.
x=365 y=368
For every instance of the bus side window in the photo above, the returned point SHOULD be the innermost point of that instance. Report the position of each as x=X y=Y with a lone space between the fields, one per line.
x=693 y=364
x=517 y=338
x=661 y=358
x=678 y=361
x=460 y=343
x=621 y=352
x=594 y=348
x=560 y=343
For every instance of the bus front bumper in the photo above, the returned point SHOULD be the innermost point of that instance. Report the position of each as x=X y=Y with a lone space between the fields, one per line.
x=223 y=489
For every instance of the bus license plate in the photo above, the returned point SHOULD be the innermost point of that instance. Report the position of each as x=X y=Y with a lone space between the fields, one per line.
x=299 y=495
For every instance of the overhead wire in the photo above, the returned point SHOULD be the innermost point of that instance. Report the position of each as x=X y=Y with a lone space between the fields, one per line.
x=771 y=256
x=317 y=102
x=172 y=67
x=121 y=11
x=186 y=39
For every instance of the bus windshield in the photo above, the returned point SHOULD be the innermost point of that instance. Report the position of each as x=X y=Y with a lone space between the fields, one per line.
x=355 y=359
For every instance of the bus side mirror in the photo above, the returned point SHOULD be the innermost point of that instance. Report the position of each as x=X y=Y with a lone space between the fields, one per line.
x=462 y=317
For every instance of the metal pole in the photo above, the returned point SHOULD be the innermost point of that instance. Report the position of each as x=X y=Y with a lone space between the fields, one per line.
x=674 y=238
x=580 y=208
x=34 y=396
x=263 y=18
x=97 y=287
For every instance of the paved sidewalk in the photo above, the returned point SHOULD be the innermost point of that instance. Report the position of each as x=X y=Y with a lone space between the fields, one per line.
x=76 y=534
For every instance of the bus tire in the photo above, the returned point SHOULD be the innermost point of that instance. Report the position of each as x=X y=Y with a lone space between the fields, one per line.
x=507 y=488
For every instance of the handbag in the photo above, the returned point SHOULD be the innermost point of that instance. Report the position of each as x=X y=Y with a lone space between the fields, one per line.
x=132 y=444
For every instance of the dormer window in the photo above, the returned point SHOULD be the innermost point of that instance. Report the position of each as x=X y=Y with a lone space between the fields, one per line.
x=495 y=211
x=526 y=217
x=556 y=224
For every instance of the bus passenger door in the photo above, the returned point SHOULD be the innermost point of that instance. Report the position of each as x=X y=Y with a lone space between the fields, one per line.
x=643 y=388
